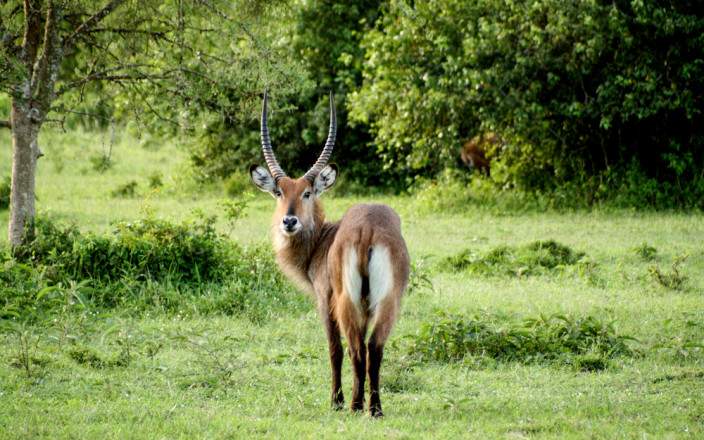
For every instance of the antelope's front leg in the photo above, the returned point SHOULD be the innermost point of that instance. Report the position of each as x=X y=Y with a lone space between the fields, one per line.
x=337 y=400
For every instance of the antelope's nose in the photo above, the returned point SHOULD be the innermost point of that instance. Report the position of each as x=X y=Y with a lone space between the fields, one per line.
x=290 y=222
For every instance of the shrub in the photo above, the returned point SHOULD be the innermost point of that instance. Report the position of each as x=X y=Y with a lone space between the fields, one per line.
x=156 y=180
x=18 y=285
x=126 y=190
x=563 y=338
x=673 y=279
x=87 y=356
x=101 y=162
x=535 y=258
x=419 y=279
x=646 y=252
x=145 y=265
x=149 y=248
x=233 y=210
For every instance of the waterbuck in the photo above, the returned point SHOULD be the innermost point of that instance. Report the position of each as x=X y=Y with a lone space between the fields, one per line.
x=474 y=151
x=357 y=268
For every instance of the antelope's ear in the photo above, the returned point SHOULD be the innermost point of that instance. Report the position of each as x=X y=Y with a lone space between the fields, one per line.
x=325 y=179
x=261 y=177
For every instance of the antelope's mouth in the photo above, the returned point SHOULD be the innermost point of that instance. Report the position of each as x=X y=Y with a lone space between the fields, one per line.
x=290 y=231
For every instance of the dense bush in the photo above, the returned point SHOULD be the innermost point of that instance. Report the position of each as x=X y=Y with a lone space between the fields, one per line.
x=599 y=99
x=146 y=249
x=586 y=342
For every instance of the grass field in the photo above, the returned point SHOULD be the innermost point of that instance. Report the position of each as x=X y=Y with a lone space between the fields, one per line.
x=194 y=375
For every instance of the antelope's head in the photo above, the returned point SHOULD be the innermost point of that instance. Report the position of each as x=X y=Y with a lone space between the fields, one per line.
x=297 y=205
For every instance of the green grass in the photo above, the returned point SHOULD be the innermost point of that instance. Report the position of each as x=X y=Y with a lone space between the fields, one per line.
x=110 y=373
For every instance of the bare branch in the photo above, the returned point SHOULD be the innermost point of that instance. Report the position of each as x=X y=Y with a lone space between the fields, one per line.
x=32 y=32
x=5 y=124
x=125 y=31
x=110 y=75
x=116 y=78
x=46 y=67
x=92 y=21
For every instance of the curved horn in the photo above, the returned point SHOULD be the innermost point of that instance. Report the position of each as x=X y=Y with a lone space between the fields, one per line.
x=271 y=161
x=329 y=144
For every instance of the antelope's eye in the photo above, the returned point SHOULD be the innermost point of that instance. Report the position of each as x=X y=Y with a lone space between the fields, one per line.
x=306 y=195
x=277 y=193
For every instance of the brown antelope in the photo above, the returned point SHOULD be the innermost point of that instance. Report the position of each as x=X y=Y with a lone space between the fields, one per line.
x=474 y=151
x=357 y=268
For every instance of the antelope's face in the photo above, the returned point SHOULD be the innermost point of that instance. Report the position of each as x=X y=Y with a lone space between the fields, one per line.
x=296 y=200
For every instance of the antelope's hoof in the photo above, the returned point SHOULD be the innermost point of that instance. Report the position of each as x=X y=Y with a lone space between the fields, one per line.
x=376 y=412
x=338 y=401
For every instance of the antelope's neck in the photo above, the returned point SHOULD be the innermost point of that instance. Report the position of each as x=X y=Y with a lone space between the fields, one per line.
x=300 y=257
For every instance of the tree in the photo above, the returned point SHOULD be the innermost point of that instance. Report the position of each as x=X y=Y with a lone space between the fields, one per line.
x=325 y=37
x=164 y=60
x=600 y=95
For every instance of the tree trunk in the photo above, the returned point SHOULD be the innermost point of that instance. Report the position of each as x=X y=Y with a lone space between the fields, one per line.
x=25 y=152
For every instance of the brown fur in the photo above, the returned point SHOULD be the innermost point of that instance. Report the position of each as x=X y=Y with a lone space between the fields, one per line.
x=315 y=257
x=474 y=151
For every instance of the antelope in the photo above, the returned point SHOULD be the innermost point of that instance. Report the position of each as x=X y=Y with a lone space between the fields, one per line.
x=474 y=151
x=356 y=269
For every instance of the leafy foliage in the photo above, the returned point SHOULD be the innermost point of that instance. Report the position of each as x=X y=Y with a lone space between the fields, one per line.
x=155 y=64
x=599 y=97
x=586 y=340
x=324 y=36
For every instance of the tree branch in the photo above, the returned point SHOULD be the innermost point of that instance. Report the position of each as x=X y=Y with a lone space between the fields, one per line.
x=92 y=21
x=46 y=67
x=32 y=33
x=5 y=124
x=108 y=75
x=124 y=31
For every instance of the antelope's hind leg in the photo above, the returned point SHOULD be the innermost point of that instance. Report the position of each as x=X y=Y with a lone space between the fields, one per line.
x=386 y=287
x=385 y=317
x=348 y=311
x=354 y=333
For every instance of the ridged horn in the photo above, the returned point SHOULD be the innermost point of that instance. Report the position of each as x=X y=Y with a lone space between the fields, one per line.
x=269 y=156
x=329 y=144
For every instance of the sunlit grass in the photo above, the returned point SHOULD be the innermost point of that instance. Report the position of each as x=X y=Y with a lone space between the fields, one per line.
x=191 y=375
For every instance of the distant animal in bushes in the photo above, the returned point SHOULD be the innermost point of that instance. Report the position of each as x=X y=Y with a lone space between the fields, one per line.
x=474 y=151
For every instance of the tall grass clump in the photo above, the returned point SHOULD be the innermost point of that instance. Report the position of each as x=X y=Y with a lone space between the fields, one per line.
x=586 y=342
x=534 y=258
x=674 y=279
